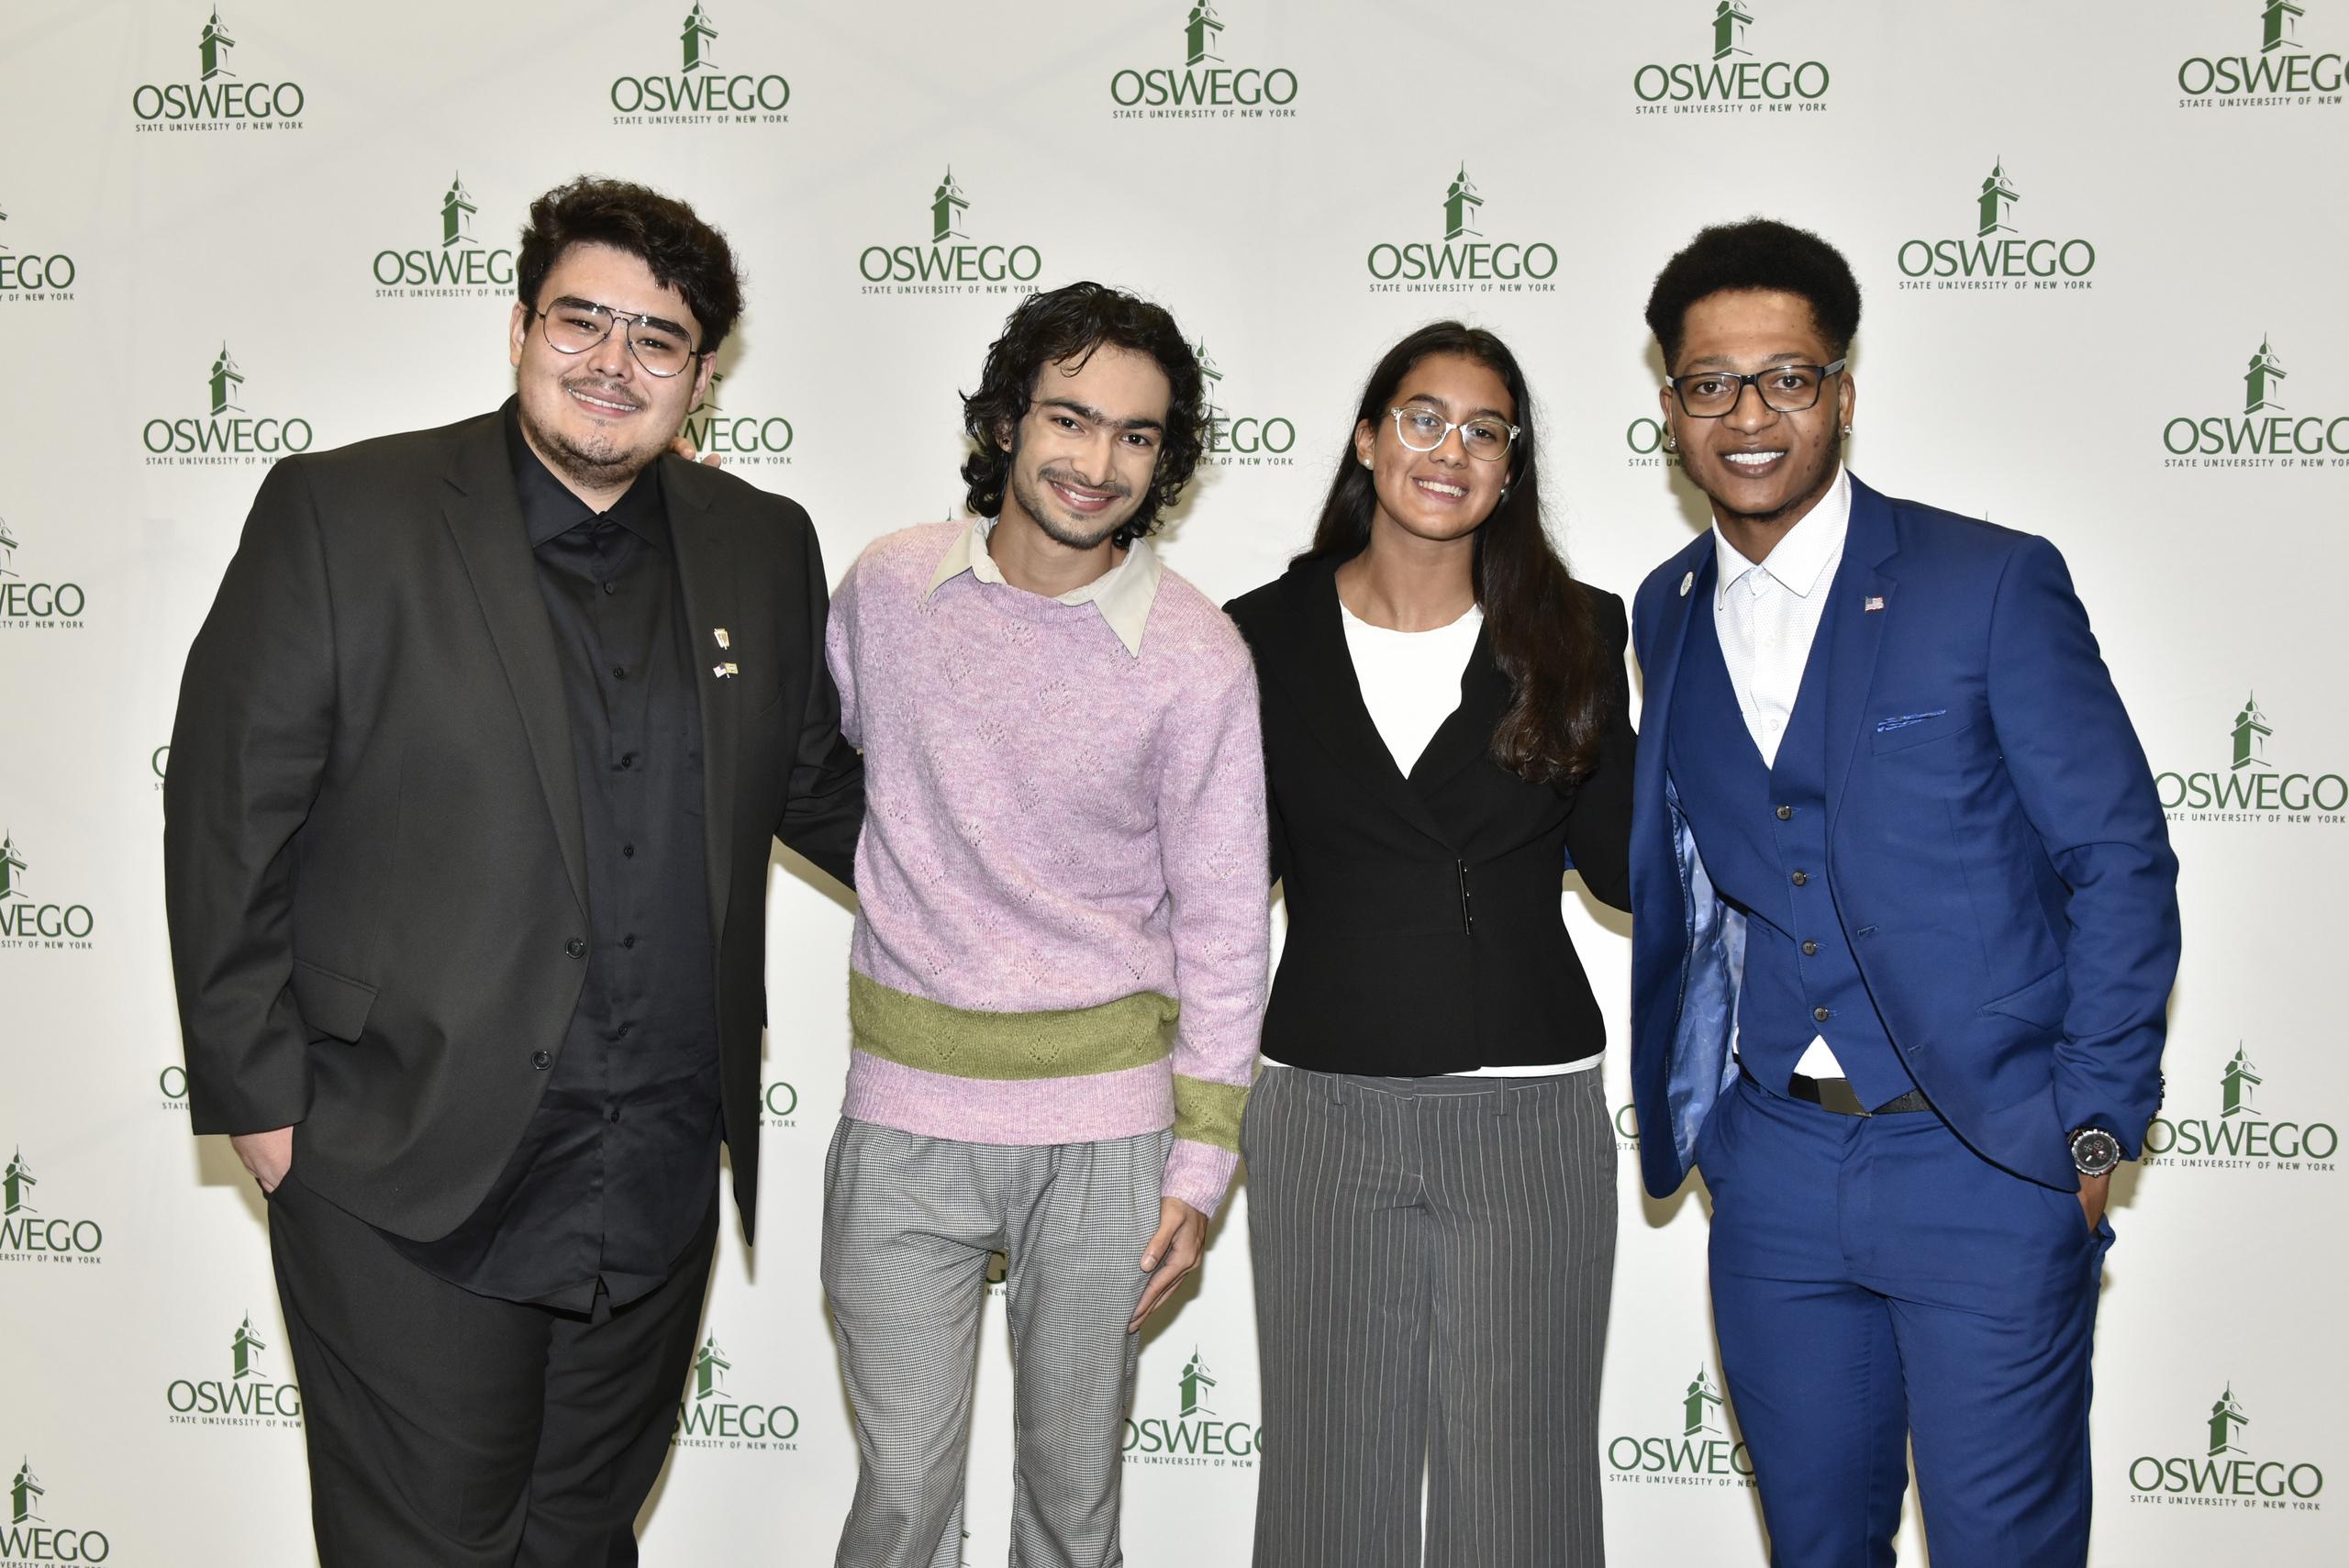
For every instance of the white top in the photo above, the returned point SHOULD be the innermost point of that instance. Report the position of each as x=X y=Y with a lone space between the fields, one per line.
x=1767 y=615
x=1411 y=683
x=1124 y=593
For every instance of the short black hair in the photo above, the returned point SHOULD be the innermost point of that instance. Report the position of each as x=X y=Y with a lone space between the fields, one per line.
x=1759 y=253
x=1069 y=324
x=667 y=235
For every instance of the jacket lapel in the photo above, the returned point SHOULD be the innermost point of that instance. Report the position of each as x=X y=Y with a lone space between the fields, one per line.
x=1856 y=631
x=1466 y=734
x=485 y=520
x=1321 y=674
x=706 y=572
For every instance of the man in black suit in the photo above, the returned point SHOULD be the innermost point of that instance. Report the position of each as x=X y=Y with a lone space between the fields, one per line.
x=477 y=761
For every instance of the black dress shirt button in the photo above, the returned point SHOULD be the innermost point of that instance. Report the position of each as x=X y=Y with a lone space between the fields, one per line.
x=1822 y=1014
x=576 y=947
x=628 y=759
x=629 y=940
x=613 y=1115
x=542 y=1059
x=628 y=851
x=1802 y=878
x=1811 y=950
x=625 y=1027
x=1786 y=814
x=611 y=588
x=619 y=672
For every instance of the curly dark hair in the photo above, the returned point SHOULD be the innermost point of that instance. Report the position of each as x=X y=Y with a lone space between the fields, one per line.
x=1069 y=324
x=1759 y=253
x=1545 y=631
x=683 y=253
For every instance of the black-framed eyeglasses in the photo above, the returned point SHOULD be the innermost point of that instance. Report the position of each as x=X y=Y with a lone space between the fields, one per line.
x=574 y=326
x=1784 y=389
x=1486 y=437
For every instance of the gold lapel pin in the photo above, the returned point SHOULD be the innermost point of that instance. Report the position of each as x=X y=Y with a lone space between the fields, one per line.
x=724 y=641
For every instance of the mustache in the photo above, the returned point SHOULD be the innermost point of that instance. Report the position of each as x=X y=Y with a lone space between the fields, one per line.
x=1118 y=488
x=596 y=386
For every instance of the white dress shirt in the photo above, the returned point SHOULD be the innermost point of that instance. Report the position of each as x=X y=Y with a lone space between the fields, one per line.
x=1124 y=593
x=1411 y=683
x=1767 y=615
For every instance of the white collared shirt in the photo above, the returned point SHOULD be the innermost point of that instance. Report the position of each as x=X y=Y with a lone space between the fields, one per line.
x=1123 y=594
x=1767 y=615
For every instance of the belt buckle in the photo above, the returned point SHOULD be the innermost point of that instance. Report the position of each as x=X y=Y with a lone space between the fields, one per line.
x=1828 y=1095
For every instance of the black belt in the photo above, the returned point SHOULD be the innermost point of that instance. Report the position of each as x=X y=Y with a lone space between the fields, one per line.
x=1835 y=1095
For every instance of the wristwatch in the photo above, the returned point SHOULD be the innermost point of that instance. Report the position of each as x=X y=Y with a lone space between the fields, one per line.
x=2095 y=1151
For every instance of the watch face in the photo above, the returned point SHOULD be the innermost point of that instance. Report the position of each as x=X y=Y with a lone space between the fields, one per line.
x=2095 y=1151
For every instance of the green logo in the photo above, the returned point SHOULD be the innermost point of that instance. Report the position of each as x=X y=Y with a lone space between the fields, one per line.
x=226 y=437
x=1644 y=441
x=34 y=278
x=30 y=1542
x=2281 y=76
x=2242 y=1136
x=952 y=262
x=217 y=99
x=1698 y=1447
x=1732 y=80
x=458 y=267
x=700 y=92
x=28 y=1235
x=1204 y=87
x=2221 y=1471
x=2251 y=789
x=1996 y=256
x=779 y=1101
x=26 y=923
x=35 y=607
x=1195 y=1435
x=245 y=1397
x=2266 y=436
x=1242 y=440
x=1464 y=262
x=711 y=1417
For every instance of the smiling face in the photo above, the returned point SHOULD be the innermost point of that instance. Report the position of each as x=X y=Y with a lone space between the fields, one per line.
x=1762 y=470
x=596 y=418
x=1084 y=455
x=1444 y=493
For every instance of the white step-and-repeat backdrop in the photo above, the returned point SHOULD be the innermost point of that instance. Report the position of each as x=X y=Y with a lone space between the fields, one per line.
x=2102 y=255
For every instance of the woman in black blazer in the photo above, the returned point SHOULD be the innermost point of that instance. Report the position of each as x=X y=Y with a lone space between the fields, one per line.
x=1431 y=1171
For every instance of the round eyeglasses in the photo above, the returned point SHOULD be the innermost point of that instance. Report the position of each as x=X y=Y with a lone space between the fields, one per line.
x=574 y=326
x=1484 y=437
x=1784 y=389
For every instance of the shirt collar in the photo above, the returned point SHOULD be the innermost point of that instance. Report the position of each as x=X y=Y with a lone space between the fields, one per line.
x=549 y=510
x=1804 y=559
x=1123 y=594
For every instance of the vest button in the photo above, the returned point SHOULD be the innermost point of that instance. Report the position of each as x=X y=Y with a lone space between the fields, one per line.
x=542 y=1059
x=1822 y=1014
x=575 y=948
x=1811 y=950
x=1786 y=814
x=1802 y=878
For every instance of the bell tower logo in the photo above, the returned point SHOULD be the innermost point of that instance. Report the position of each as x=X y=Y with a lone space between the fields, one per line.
x=1199 y=34
x=213 y=48
x=1997 y=202
x=2258 y=382
x=1460 y=203
x=947 y=205
x=1729 y=21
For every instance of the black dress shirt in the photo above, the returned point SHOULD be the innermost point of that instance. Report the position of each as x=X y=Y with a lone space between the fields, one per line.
x=617 y=1167
x=1424 y=931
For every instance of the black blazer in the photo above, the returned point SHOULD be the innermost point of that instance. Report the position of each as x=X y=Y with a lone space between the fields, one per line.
x=372 y=857
x=1424 y=930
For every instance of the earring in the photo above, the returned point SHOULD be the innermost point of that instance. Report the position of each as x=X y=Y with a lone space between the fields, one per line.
x=1847 y=430
x=1671 y=443
x=1364 y=461
x=1504 y=500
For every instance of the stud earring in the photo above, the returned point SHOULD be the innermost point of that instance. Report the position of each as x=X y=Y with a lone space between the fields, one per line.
x=1847 y=430
x=1504 y=500
x=1672 y=443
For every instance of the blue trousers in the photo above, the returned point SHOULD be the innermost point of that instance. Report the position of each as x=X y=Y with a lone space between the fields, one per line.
x=1878 y=1284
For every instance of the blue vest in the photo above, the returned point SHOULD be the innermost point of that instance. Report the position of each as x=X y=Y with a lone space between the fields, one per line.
x=1763 y=834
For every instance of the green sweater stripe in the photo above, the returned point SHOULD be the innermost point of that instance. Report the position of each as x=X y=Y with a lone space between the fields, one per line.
x=1207 y=1112
x=913 y=1031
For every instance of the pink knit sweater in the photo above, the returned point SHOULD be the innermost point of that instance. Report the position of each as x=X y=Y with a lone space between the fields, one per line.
x=1060 y=836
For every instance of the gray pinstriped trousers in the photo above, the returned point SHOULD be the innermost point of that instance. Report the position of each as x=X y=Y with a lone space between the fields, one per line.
x=1433 y=1260
x=908 y=1223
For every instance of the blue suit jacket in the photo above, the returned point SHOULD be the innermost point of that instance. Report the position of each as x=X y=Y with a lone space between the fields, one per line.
x=1996 y=852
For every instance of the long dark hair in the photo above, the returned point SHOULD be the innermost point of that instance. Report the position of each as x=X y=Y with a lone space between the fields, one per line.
x=1070 y=323
x=1545 y=635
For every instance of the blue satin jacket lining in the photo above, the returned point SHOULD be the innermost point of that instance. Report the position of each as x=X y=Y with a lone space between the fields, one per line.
x=1702 y=1066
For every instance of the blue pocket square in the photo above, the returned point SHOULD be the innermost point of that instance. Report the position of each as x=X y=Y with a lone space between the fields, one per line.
x=1902 y=721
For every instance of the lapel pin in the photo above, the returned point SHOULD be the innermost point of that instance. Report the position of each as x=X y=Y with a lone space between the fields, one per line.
x=724 y=641
x=722 y=671
x=1687 y=582
x=1873 y=602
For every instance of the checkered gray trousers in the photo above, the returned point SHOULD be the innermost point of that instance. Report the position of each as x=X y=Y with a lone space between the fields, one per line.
x=908 y=1224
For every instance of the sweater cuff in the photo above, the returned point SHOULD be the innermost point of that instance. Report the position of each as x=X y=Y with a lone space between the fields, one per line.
x=1200 y=1174
x=1209 y=1112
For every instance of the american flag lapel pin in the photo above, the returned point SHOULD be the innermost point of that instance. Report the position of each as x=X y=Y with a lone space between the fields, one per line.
x=1873 y=602
x=722 y=671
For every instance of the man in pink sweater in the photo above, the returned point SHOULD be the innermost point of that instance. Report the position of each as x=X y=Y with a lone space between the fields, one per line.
x=1059 y=963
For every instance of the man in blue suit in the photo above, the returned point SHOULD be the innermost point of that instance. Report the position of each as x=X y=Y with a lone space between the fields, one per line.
x=1905 y=925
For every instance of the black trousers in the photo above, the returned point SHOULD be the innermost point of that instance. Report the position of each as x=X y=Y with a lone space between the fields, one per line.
x=457 y=1430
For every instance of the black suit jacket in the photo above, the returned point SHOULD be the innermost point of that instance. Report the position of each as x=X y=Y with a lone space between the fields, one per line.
x=1424 y=927
x=373 y=853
